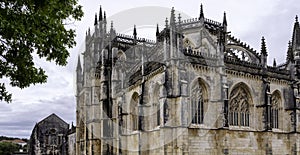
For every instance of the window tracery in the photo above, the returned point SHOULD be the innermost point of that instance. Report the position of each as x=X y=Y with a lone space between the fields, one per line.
x=275 y=101
x=239 y=102
x=197 y=103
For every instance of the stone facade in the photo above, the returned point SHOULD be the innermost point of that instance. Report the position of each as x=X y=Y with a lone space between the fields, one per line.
x=49 y=136
x=72 y=141
x=195 y=90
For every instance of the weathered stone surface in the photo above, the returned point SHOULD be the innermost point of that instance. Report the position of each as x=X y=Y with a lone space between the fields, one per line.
x=49 y=136
x=197 y=90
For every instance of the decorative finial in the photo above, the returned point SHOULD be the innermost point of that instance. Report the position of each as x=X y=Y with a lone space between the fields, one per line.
x=224 y=19
x=157 y=30
x=263 y=47
x=100 y=14
x=96 y=21
x=201 y=12
x=172 y=18
x=167 y=22
x=274 y=63
x=179 y=18
x=134 y=31
x=111 y=25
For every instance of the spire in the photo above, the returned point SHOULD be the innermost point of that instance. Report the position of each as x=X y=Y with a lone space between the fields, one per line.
x=78 y=68
x=134 y=31
x=201 y=12
x=274 y=63
x=172 y=17
x=96 y=21
x=224 y=19
x=296 y=35
x=100 y=14
x=263 y=47
x=264 y=54
x=157 y=30
x=104 y=23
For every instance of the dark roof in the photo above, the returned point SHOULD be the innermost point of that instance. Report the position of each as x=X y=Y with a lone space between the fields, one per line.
x=53 y=115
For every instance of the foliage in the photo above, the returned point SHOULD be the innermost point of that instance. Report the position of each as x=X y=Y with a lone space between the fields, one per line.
x=34 y=26
x=7 y=148
x=12 y=138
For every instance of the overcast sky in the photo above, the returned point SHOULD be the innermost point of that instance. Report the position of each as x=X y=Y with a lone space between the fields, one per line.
x=248 y=20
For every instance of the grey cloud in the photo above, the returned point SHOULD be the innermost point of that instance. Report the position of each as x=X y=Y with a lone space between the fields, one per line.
x=21 y=121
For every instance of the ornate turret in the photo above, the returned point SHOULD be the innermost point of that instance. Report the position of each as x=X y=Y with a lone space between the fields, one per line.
x=173 y=35
x=134 y=32
x=157 y=33
x=100 y=14
x=264 y=53
x=296 y=35
x=134 y=35
x=167 y=23
x=112 y=31
x=179 y=33
x=263 y=47
x=104 y=23
x=201 y=16
x=274 y=63
x=296 y=42
x=224 y=20
x=134 y=42
x=157 y=30
x=96 y=26
x=172 y=18
x=96 y=20
x=179 y=18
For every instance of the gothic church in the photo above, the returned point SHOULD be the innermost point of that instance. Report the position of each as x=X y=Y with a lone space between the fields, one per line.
x=195 y=90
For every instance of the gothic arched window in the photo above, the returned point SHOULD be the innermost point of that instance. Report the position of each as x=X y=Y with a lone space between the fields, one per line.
x=239 y=102
x=275 y=102
x=197 y=102
x=134 y=111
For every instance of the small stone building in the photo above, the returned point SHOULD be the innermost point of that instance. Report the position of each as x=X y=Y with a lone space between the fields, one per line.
x=49 y=136
x=195 y=90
